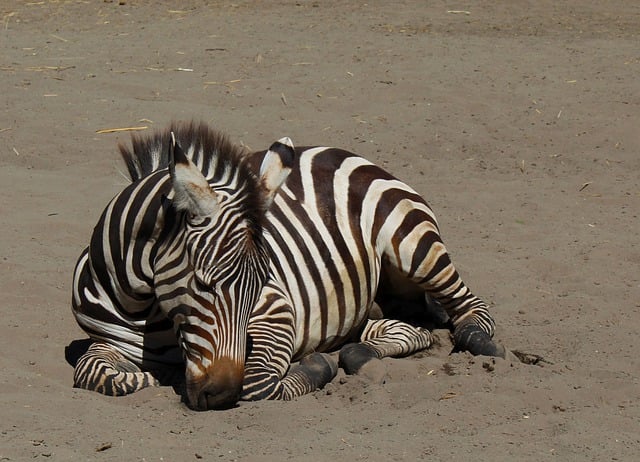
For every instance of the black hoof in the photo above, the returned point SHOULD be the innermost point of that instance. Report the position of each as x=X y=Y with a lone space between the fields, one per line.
x=321 y=367
x=355 y=355
x=473 y=339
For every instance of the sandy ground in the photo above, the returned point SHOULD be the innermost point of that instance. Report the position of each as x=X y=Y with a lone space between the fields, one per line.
x=519 y=122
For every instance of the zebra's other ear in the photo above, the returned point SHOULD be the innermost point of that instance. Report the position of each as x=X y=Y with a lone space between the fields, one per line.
x=276 y=166
x=192 y=192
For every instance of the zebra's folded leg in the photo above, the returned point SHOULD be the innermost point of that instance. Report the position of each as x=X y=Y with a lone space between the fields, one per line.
x=269 y=373
x=312 y=373
x=383 y=338
x=470 y=337
x=105 y=370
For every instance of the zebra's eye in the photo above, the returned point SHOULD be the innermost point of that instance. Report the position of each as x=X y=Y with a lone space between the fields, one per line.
x=224 y=194
x=201 y=286
x=195 y=220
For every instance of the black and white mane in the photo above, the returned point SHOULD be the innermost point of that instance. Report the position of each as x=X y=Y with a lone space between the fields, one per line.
x=220 y=161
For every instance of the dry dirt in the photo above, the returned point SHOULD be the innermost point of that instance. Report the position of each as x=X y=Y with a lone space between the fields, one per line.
x=519 y=121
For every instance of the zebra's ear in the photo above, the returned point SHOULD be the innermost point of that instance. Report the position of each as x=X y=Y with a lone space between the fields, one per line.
x=276 y=166
x=192 y=192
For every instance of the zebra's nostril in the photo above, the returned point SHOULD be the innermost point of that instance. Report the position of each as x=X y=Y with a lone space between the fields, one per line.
x=219 y=388
x=215 y=398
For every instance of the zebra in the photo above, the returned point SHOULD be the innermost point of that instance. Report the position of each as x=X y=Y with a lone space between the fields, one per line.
x=247 y=271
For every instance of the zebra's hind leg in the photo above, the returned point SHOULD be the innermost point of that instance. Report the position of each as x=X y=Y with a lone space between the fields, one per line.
x=105 y=370
x=415 y=259
x=383 y=338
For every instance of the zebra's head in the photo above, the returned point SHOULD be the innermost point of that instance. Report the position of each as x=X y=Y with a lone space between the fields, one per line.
x=227 y=268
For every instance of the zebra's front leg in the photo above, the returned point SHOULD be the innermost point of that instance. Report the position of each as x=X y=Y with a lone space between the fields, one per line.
x=383 y=338
x=266 y=380
x=269 y=373
x=105 y=370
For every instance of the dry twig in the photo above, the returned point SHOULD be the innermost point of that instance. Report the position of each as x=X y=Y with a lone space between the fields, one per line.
x=122 y=129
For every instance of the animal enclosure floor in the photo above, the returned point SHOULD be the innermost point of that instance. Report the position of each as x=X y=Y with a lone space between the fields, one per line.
x=519 y=123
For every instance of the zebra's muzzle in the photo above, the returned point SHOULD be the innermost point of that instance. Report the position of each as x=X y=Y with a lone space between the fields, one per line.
x=219 y=388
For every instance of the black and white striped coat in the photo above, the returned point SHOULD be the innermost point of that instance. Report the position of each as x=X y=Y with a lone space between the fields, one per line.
x=277 y=256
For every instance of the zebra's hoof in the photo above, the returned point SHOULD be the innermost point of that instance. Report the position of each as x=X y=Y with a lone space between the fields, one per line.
x=321 y=366
x=476 y=341
x=355 y=355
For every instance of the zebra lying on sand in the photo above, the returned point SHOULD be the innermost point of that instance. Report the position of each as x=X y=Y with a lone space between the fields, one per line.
x=233 y=265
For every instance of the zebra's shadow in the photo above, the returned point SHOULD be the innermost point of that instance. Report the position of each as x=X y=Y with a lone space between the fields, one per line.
x=423 y=312
x=75 y=350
